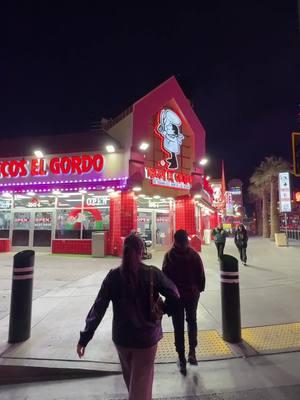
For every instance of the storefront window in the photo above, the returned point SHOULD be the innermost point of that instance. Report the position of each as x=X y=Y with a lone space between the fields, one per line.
x=70 y=200
x=95 y=214
x=4 y=224
x=34 y=201
x=68 y=223
x=153 y=202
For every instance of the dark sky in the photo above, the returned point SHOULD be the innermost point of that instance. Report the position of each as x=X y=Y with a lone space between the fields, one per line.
x=238 y=61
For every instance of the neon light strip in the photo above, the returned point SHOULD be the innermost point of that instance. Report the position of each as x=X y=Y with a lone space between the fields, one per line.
x=58 y=182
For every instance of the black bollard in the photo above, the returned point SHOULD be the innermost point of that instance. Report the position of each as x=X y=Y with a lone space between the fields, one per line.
x=230 y=297
x=21 y=297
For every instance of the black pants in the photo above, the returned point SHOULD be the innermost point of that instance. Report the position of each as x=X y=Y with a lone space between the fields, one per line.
x=189 y=310
x=243 y=254
x=220 y=248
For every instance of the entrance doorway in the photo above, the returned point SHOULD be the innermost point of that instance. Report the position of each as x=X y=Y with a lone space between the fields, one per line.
x=32 y=229
x=156 y=226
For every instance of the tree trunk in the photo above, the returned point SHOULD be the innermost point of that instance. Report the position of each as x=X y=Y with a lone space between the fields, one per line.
x=258 y=212
x=265 y=216
x=273 y=209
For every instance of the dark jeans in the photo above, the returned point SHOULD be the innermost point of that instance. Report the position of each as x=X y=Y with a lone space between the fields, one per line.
x=220 y=248
x=189 y=309
x=243 y=254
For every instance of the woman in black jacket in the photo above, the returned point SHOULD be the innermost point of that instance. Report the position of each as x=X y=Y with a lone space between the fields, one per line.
x=241 y=242
x=135 y=332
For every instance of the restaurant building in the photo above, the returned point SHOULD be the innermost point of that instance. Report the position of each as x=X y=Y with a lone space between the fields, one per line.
x=141 y=171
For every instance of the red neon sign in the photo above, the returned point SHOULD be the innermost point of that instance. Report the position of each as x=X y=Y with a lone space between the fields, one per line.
x=78 y=165
x=177 y=178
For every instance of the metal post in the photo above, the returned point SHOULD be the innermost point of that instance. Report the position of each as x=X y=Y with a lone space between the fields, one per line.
x=230 y=297
x=286 y=228
x=21 y=297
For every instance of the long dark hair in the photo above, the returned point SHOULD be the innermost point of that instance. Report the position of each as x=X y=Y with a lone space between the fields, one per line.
x=131 y=259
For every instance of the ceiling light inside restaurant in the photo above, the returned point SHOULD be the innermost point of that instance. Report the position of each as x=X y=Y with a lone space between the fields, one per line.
x=208 y=178
x=6 y=194
x=110 y=190
x=144 y=146
x=31 y=193
x=136 y=188
x=38 y=153
x=56 y=192
x=82 y=191
x=110 y=148
x=156 y=197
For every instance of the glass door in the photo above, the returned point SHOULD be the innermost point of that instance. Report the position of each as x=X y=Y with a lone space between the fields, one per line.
x=144 y=225
x=42 y=230
x=21 y=229
x=163 y=228
x=32 y=229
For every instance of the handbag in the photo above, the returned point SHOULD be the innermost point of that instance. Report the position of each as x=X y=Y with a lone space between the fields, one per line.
x=156 y=302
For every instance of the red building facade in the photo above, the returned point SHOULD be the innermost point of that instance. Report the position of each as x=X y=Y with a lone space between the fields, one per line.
x=141 y=173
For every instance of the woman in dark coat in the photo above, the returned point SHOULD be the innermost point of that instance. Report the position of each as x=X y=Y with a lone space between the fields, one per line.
x=241 y=242
x=135 y=333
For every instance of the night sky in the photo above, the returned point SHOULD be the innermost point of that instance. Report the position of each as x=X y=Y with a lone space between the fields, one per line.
x=238 y=62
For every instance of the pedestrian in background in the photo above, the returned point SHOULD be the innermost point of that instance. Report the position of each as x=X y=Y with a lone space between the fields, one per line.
x=132 y=289
x=241 y=242
x=220 y=239
x=184 y=267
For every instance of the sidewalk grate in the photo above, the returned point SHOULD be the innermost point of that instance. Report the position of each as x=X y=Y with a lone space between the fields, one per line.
x=273 y=337
x=210 y=344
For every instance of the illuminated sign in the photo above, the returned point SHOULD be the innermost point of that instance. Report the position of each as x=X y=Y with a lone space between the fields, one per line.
x=168 y=129
x=296 y=152
x=97 y=201
x=161 y=177
x=284 y=192
x=229 y=203
x=37 y=167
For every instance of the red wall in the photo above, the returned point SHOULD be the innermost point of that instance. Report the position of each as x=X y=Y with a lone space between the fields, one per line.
x=185 y=214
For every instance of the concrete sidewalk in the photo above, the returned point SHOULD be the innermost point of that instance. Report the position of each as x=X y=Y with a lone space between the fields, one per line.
x=65 y=287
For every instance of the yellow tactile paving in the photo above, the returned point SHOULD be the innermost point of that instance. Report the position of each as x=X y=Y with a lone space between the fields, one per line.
x=273 y=337
x=210 y=344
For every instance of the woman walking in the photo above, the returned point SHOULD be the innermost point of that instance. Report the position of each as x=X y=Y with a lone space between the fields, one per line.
x=241 y=242
x=220 y=239
x=133 y=289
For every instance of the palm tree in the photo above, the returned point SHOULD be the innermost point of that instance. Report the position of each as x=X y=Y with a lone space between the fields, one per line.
x=255 y=196
x=260 y=191
x=265 y=177
x=272 y=166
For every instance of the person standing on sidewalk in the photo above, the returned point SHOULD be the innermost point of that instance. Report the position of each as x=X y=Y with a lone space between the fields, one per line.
x=220 y=239
x=241 y=242
x=135 y=332
x=184 y=267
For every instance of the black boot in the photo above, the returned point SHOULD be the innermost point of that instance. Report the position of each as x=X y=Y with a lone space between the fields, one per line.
x=192 y=359
x=181 y=363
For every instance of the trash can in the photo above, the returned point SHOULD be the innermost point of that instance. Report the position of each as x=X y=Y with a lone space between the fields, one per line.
x=281 y=239
x=98 y=244
x=207 y=236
